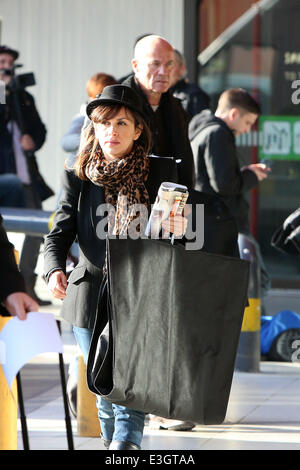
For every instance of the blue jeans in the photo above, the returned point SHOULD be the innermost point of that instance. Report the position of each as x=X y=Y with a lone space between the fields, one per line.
x=11 y=191
x=118 y=423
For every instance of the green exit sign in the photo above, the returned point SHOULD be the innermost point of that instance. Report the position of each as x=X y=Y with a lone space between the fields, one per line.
x=279 y=137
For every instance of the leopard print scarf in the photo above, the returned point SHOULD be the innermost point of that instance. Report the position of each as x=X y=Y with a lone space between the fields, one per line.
x=124 y=184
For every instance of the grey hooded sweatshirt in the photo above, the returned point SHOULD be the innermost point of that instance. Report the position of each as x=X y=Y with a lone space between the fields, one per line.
x=217 y=165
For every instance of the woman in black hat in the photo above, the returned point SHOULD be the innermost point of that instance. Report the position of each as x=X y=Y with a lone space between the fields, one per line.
x=112 y=168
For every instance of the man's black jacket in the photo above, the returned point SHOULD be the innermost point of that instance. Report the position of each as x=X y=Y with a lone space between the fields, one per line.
x=193 y=99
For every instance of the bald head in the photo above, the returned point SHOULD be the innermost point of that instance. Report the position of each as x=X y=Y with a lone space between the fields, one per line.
x=152 y=65
x=148 y=43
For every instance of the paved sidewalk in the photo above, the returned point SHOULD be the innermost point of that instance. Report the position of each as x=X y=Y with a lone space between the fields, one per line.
x=263 y=414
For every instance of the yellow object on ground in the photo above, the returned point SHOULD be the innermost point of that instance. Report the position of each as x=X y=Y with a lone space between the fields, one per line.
x=87 y=416
x=251 y=320
x=8 y=406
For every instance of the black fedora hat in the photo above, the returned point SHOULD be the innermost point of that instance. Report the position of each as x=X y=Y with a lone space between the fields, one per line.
x=117 y=94
x=9 y=50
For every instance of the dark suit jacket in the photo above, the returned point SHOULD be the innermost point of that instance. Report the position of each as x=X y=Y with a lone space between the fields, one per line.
x=11 y=279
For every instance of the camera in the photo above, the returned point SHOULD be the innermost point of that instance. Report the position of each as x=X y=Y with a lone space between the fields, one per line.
x=19 y=82
x=22 y=81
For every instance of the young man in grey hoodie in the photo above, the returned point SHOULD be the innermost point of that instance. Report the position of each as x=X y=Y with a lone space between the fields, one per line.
x=217 y=166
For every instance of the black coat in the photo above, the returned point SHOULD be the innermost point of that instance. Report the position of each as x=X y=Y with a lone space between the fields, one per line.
x=193 y=99
x=217 y=165
x=77 y=217
x=11 y=279
x=169 y=128
x=29 y=122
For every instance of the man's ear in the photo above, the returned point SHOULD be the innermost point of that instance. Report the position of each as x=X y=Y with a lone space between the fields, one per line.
x=134 y=65
x=233 y=113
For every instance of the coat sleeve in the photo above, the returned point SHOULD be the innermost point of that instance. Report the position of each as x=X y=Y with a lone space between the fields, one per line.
x=222 y=166
x=11 y=278
x=64 y=229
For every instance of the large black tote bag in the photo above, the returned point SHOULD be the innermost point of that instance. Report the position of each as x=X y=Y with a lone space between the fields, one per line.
x=174 y=320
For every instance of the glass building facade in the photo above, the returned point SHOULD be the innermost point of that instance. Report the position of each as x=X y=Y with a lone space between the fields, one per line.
x=256 y=46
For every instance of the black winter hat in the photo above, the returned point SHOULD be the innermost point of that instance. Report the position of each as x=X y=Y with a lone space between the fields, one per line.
x=9 y=50
x=117 y=94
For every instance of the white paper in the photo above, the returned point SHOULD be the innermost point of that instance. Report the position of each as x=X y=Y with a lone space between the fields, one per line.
x=20 y=341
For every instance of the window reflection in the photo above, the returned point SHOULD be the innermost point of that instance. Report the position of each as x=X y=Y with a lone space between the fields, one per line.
x=256 y=47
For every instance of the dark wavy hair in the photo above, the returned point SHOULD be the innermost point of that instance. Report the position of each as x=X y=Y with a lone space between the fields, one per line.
x=90 y=144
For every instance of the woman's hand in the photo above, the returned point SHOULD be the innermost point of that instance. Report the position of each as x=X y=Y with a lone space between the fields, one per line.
x=58 y=284
x=176 y=225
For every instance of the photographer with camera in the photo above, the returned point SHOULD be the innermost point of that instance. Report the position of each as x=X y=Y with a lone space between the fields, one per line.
x=22 y=133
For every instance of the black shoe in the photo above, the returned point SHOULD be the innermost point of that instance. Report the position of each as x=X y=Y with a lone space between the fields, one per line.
x=121 y=445
x=42 y=303
x=33 y=295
